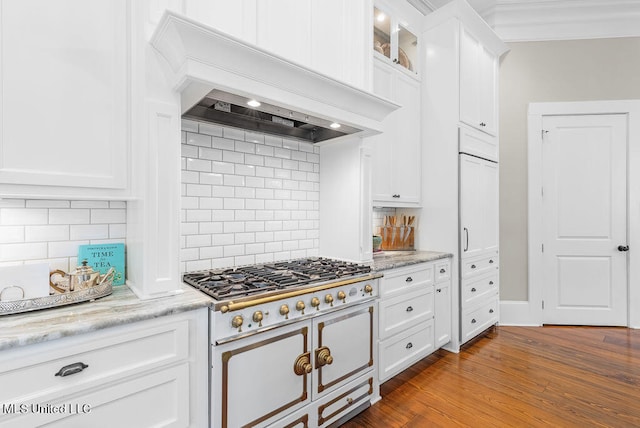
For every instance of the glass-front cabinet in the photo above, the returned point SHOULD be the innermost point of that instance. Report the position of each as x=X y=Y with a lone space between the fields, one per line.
x=394 y=40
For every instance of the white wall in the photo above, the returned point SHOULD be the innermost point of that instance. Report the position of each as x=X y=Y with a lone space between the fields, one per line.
x=247 y=197
x=576 y=70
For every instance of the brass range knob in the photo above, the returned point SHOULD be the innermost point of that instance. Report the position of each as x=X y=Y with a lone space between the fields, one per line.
x=329 y=299
x=258 y=317
x=342 y=296
x=236 y=322
x=315 y=302
x=323 y=356
x=284 y=310
x=300 y=306
x=303 y=365
x=368 y=289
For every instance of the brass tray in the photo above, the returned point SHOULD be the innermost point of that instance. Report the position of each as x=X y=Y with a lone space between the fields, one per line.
x=57 y=299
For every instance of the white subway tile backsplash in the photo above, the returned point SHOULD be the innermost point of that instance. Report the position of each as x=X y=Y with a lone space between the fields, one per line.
x=65 y=248
x=69 y=216
x=259 y=193
x=11 y=234
x=23 y=216
x=12 y=203
x=108 y=216
x=89 y=232
x=188 y=254
x=48 y=204
x=189 y=125
x=46 y=233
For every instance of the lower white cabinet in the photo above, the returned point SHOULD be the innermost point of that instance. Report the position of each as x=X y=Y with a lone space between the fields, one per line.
x=415 y=315
x=149 y=373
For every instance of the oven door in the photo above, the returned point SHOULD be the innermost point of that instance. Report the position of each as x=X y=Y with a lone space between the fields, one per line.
x=343 y=347
x=257 y=379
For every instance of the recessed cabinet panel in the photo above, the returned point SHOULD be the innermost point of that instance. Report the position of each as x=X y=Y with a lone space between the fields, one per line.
x=65 y=110
x=442 y=317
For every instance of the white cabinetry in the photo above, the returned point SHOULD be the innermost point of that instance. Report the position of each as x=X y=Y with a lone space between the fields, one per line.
x=395 y=39
x=151 y=373
x=411 y=320
x=326 y=35
x=478 y=83
x=396 y=152
x=459 y=83
x=64 y=120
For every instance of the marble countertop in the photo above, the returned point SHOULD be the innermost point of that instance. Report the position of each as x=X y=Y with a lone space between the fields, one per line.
x=385 y=260
x=120 y=307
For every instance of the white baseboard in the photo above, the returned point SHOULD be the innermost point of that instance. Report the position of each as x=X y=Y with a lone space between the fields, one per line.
x=518 y=313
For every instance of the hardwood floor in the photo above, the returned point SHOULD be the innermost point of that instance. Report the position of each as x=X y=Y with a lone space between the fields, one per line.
x=519 y=377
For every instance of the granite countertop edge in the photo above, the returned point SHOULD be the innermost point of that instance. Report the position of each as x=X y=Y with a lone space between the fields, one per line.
x=119 y=308
x=397 y=259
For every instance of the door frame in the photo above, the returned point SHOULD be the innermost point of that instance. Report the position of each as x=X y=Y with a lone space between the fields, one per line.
x=630 y=108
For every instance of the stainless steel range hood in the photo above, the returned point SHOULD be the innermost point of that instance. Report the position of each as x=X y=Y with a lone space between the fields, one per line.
x=234 y=110
x=209 y=68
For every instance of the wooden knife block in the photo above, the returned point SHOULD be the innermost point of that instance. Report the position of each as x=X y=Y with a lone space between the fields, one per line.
x=397 y=238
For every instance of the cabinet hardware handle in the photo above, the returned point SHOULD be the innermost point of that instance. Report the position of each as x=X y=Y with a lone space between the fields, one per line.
x=473 y=321
x=409 y=309
x=71 y=369
x=491 y=261
x=409 y=279
x=466 y=245
x=473 y=290
x=302 y=364
x=323 y=357
x=439 y=290
x=395 y=196
x=623 y=248
x=490 y=282
x=442 y=270
x=473 y=266
x=490 y=311
x=409 y=345
x=349 y=401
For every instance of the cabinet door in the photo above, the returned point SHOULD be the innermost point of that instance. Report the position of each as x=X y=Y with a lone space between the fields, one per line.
x=284 y=28
x=442 y=314
x=469 y=79
x=478 y=206
x=488 y=106
x=65 y=103
x=381 y=147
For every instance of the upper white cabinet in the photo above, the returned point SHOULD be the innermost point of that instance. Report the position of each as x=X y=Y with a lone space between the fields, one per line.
x=394 y=40
x=478 y=83
x=326 y=35
x=396 y=152
x=65 y=111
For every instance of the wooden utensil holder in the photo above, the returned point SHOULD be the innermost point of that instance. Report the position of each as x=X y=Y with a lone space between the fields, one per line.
x=397 y=238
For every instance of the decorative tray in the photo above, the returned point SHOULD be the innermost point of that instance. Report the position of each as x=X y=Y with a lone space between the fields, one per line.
x=57 y=299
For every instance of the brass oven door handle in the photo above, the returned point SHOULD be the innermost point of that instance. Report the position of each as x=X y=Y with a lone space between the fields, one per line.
x=323 y=357
x=302 y=365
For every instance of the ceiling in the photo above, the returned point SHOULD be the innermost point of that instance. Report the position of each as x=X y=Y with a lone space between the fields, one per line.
x=528 y=20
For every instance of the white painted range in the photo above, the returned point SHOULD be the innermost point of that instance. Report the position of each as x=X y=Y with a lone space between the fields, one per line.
x=292 y=342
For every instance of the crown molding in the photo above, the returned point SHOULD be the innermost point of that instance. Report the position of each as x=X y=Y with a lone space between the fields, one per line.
x=533 y=20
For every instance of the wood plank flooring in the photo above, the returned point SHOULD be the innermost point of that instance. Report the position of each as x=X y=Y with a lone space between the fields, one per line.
x=519 y=377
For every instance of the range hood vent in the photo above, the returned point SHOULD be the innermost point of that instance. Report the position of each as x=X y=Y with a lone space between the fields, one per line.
x=232 y=110
x=209 y=67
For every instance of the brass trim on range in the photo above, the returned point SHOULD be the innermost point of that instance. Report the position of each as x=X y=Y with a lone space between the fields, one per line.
x=285 y=294
x=321 y=326
x=304 y=419
x=226 y=357
x=349 y=401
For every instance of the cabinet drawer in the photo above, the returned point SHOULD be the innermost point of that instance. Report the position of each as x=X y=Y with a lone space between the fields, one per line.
x=443 y=271
x=404 y=279
x=479 y=144
x=401 y=312
x=476 y=320
x=151 y=400
x=478 y=265
x=477 y=288
x=399 y=352
x=31 y=371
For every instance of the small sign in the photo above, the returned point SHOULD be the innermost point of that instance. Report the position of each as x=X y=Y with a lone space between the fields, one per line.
x=101 y=257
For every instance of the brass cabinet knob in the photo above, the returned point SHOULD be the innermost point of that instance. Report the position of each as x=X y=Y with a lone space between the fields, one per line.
x=315 y=302
x=342 y=296
x=303 y=365
x=236 y=322
x=368 y=289
x=328 y=299
x=284 y=310
x=300 y=306
x=323 y=356
x=258 y=317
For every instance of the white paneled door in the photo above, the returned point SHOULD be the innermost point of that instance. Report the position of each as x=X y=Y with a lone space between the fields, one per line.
x=584 y=224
